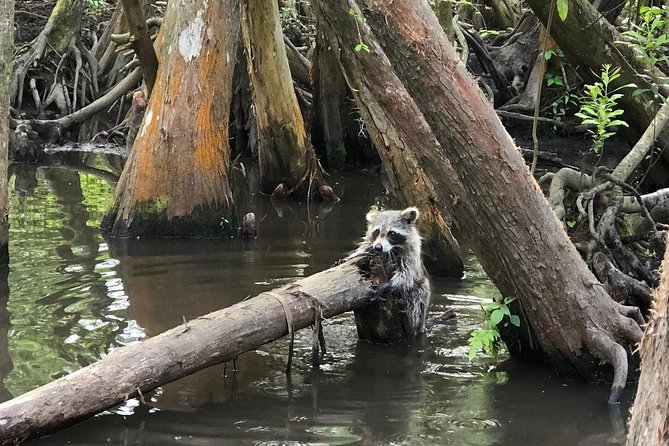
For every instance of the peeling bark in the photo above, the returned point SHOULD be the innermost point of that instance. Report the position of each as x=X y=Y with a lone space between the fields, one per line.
x=176 y=180
x=649 y=424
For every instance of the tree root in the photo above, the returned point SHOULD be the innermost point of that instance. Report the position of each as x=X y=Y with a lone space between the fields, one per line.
x=53 y=129
x=621 y=287
x=603 y=347
x=565 y=179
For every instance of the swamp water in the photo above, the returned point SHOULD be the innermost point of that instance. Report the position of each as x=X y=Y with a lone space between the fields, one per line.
x=73 y=296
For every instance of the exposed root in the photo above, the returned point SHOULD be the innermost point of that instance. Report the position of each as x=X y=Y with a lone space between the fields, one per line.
x=565 y=179
x=603 y=347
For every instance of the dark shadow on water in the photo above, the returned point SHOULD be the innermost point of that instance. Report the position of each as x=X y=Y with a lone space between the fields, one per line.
x=6 y=364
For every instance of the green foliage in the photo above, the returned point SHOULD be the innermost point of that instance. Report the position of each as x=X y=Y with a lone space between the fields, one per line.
x=554 y=79
x=489 y=32
x=564 y=105
x=649 y=38
x=557 y=52
x=599 y=107
x=95 y=7
x=489 y=339
x=358 y=19
x=563 y=9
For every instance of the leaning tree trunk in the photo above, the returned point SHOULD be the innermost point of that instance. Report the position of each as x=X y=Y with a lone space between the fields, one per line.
x=132 y=371
x=589 y=40
x=395 y=132
x=175 y=183
x=284 y=152
x=495 y=203
x=6 y=50
x=650 y=414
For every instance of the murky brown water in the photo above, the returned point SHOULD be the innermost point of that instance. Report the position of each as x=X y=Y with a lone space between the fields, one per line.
x=73 y=296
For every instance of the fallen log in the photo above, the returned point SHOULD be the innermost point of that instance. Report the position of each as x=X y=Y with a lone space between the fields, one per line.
x=221 y=336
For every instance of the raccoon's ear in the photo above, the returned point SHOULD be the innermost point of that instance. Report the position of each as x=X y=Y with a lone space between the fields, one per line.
x=410 y=215
x=370 y=215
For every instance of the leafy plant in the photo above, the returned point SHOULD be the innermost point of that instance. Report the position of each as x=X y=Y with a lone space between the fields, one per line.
x=598 y=107
x=489 y=339
x=554 y=79
x=565 y=104
x=649 y=38
x=548 y=54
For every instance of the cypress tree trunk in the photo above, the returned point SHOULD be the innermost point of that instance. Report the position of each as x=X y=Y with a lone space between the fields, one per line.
x=176 y=181
x=6 y=51
x=284 y=152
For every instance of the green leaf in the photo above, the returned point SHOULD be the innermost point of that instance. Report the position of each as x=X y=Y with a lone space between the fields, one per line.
x=563 y=9
x=358 y=47
x=515 y=320
x=496 y=317
x=571 y=223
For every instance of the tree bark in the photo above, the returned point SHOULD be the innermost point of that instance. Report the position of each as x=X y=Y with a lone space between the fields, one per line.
x=6 y=51
x=176 y=180
x=649 y=423
x=589 y=40
x=495 y=203
x=132 y=371
x=284 y=152
x=329 y=93
x=396 y=127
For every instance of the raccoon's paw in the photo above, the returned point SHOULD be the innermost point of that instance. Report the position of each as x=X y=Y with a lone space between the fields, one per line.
x=379 y=290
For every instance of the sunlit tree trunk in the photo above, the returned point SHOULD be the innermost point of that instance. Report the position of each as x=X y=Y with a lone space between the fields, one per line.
x=495 y=203
x=6 y=50
x=650 y=414
x=284 y=152
x=176 y=181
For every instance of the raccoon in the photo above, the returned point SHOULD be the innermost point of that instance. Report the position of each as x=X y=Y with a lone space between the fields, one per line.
x=391 y=252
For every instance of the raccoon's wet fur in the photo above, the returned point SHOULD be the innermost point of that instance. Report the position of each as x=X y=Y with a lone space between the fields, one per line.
x=391 y=253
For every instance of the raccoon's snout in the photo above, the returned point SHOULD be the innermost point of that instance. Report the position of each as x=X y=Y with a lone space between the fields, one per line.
x=378 y=247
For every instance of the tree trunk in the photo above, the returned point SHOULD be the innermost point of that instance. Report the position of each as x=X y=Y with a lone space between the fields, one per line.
x=176 y=181
x=650 y=414
x=329 y=93
x=396 y=130
x=6 y=51
x=495 y=203
x=284 y=152
x=132 y=371
x=589 y=40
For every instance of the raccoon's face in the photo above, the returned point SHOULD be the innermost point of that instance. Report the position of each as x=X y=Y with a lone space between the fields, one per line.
x=392 y=230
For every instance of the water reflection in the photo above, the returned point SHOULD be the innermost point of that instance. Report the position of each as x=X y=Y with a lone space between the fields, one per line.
x=74 y=296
